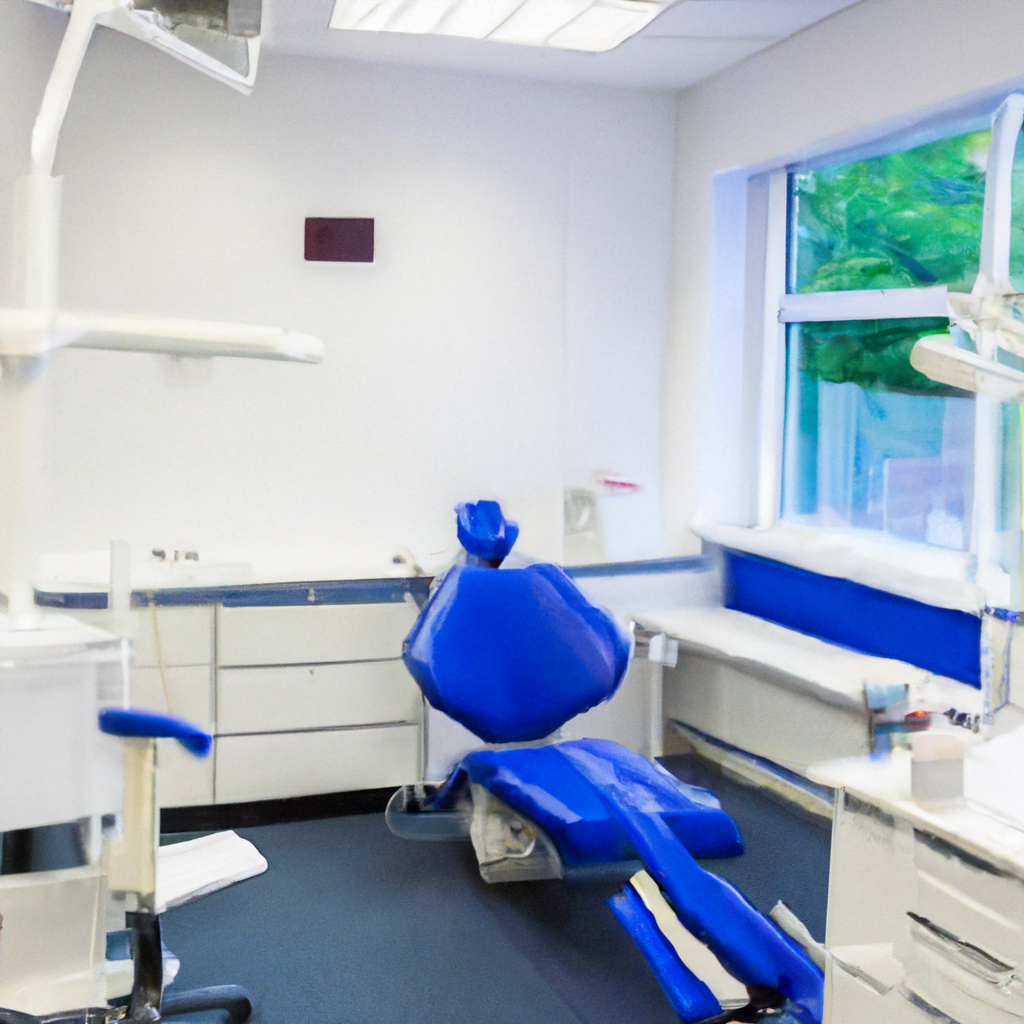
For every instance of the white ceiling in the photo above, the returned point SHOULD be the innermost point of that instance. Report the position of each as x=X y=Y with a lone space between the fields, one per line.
x=688 y=42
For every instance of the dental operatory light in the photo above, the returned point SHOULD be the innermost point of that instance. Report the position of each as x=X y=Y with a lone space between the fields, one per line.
x=992 y=314
x=219 y=38
x=589 y=25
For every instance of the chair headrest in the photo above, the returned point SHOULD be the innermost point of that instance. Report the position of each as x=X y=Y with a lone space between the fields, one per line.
x=483 y=531
x=512 y=654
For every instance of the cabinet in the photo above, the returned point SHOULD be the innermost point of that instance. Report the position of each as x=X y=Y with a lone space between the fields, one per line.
x=926 y=905
x=314 y=700
x=300 y=699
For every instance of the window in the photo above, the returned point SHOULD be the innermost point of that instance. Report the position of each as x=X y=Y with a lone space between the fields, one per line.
x=866 y=444
x=898 y=221
x=874 y=248
x=870 y=442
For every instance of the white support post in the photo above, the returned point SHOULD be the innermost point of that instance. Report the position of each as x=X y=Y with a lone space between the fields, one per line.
x=994 y=270
x=131 y=859
x=993 y=280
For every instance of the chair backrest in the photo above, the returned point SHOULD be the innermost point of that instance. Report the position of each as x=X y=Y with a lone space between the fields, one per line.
x=512 y=654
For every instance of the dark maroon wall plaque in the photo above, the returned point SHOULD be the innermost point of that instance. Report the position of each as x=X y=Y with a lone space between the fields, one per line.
x=339 y=239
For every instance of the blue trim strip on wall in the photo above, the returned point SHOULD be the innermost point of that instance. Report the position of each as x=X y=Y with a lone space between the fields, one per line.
x=941 y=640
x=646 y=567
x=258 y=595
x=381 y=591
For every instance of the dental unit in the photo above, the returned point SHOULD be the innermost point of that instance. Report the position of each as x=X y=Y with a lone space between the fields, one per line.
x=512 y=654
x=57 y=762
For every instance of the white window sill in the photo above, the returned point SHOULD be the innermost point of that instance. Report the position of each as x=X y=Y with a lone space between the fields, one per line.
x=924 y=573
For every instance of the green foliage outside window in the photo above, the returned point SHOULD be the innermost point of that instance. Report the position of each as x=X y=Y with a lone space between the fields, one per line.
x=872 y=353
x=904 y=220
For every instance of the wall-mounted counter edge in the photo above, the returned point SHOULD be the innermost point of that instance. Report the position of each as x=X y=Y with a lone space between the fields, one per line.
x=375 y=591
x=254 y=595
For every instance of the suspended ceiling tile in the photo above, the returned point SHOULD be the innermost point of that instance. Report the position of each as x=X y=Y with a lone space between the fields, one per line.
x=735 y=19
x=660 y=57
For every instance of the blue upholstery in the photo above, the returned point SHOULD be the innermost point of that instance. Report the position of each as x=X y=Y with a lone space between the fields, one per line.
x=544 y=785
x=131 y=722
x=746 y=943
x=512 y=654
x=483 y=531
x=691 y=999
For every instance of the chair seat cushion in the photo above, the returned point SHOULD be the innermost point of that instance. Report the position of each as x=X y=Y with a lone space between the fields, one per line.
x=542 y=784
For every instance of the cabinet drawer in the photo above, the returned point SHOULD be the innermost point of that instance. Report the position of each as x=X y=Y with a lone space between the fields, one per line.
x=982 y=907
x=310 y=634
x=274 y=766
x=277 y=698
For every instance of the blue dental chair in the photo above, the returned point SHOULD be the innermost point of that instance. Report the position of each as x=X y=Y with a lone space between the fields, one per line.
x=512 y=654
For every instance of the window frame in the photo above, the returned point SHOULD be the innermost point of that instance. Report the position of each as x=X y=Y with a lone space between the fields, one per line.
x=771 y=308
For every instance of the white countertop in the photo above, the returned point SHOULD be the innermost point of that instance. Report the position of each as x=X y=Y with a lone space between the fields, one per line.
x=885 y=783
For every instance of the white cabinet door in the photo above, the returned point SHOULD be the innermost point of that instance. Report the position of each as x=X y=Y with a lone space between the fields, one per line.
x=307 y=635
x=279 y=765
x=187 y=686
x=185 y=633
x=284 y=697
x=184 y=780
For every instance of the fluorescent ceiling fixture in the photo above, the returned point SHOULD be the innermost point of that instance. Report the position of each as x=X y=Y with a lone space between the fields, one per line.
x=590 y=25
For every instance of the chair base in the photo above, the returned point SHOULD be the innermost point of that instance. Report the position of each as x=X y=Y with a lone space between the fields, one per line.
x=232 y=999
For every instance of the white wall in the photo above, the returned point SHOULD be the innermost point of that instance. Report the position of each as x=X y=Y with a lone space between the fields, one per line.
x=509 y=333
x=878 y=60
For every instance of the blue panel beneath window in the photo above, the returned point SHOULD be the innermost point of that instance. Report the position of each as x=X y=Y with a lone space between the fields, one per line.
x=941 y=640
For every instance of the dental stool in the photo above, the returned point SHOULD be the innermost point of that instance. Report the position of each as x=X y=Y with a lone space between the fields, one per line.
x=59 y=916
x=514 y=653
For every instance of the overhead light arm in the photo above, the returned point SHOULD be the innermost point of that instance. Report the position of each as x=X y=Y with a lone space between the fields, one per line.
x=986 y=314
x=61 y=84
x=31 y=332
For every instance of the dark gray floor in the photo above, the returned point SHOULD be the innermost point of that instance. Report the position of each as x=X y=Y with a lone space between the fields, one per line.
x=351 y=924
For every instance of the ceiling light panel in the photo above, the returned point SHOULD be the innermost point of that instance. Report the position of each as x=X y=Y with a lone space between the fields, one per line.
x=383 y=14
x=590 y=25
x=603 y=26
x=477 y=19
x=419 y=16
x=537 y=20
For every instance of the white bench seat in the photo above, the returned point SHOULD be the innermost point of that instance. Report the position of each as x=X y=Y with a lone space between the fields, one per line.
x=780 y=693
